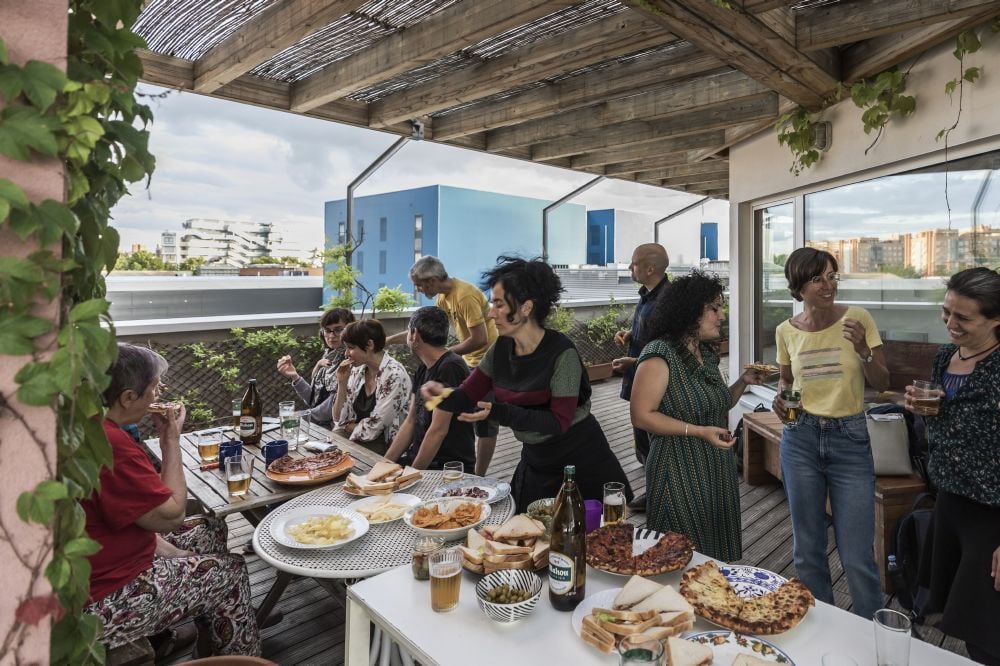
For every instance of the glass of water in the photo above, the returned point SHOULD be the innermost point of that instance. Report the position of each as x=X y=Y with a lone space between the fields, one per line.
x=289 y=423
x=892 y=638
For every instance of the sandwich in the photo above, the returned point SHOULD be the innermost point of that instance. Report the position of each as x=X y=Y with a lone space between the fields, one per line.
x=383 y=469
x=518 y=528
x=749 y=660
x=365 y=485
x=593 y=633
x=636 y=590
x=688 y=653
x=540 y=553
x=673 y=609
x=162 y=407
x=407 y=474
x=625 y=623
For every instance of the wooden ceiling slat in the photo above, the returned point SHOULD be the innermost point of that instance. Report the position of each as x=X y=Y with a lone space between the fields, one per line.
x=655 y=148
x=713 y=168
x=632 y=167
x=630 y=77
x=695 y=182
x=460 y=25
x=855 y=20
x=740 y=132
x=701 y=94
x=276 y=28
x=758 y=6
x=590 y=44
x=746 y=44
x=636 y=132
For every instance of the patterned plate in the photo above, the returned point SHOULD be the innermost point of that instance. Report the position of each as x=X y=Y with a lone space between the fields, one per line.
x=495 y=489
x=751 y=581
x=728 y=644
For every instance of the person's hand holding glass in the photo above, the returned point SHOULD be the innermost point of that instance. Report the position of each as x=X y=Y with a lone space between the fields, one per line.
x=924 y=397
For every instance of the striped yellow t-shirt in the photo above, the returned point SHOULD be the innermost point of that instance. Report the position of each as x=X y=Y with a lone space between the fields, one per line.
x=825 y=366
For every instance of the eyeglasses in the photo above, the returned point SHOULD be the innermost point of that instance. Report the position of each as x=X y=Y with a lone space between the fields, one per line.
x=829 y=277
x=336 y=330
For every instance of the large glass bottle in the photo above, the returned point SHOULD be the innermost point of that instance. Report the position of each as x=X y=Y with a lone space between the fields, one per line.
x=251 y=415
x=568 y=547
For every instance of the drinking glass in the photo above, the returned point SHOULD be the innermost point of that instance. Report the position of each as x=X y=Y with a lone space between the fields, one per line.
x=237 y=411
x=892 y=638
x=453 y=471
x=614 y=502
x=793 y=404
x=640 y=650
x=239 y=471
x=289 y=423
x=446 y=579
x=926 y=397
x=303 y=431
x=208 y=445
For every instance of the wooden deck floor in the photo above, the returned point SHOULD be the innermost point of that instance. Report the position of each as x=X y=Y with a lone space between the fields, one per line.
x=312 y=630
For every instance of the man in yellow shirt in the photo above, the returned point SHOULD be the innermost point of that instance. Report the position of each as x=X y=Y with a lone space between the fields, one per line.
x=466 y=307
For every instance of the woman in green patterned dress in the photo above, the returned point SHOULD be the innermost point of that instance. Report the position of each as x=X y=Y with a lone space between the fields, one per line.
x=681 y=400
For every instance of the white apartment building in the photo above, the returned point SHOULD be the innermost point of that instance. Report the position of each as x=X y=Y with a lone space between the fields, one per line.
x=224 y=241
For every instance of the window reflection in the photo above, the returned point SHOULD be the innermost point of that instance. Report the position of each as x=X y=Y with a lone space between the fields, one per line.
x=775 y=241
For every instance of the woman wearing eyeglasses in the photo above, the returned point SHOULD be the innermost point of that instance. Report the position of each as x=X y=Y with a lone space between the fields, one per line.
x=828 y=352
x=321 y=389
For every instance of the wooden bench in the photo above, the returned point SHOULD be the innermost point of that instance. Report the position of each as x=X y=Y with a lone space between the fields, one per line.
x=894 y=495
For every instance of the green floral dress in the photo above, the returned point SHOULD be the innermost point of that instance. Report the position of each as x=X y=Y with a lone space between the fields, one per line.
x=691 y=486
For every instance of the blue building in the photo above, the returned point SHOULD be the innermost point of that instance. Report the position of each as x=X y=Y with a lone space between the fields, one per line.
x=709 y=241
x=601 y=237
x=466 y=229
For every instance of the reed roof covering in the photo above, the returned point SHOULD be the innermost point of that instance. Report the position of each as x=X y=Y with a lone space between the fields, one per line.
x=653 y=91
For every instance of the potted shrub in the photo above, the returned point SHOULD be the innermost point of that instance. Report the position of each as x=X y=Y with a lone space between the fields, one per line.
x=600 y=334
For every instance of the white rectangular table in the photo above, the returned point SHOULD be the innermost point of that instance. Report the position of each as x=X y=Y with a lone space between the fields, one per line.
x=401 y=606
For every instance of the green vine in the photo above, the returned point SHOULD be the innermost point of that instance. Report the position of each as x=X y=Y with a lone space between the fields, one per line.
x=89 y=120
x=797 y=130
x=880 y=99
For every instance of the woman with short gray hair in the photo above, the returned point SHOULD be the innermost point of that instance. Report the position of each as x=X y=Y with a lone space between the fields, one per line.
x=154 y=566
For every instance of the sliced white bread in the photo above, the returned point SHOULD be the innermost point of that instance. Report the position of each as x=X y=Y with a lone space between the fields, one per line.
x=749 y=660
x=593 y=633
x=663 y=633
x=674 y=618
x=664 y=600
x=382 y=469
x=475 y=540
x=407 y=474
x=636 y=590
x=473 y=556
x=540 y=552
x=688 y=653
x=517 y=527
x=472 y=566
x=499 y=548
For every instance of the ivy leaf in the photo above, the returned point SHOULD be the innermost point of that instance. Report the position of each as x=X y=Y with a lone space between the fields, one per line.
x=23 y=129
x=37 y=385
x=17 y=333
x=109 y=246
x=971 y=74
x=55 y=218
x=13 y=194
x=88 y=309
x=4 y=58
x=42 y=82
x=81 y=547
x=38 y=505
x=58 y=572
x=949 y=87
x=968 y=42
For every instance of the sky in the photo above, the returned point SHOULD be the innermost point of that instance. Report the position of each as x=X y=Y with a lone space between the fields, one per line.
x=225 y=160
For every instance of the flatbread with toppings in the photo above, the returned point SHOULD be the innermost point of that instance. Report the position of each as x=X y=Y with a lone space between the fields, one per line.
x=766 y=368
x=714 y=598
x=612 y=548
x=431 y=403
x=162 y=407
x=287 y=464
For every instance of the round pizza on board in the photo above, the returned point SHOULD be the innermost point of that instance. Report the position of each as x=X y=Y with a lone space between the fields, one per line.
x=624 y=549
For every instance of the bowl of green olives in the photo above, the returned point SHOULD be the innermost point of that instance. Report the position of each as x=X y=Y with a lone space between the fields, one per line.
x=509 y=594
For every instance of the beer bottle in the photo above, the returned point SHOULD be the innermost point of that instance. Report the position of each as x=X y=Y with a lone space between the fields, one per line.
x=568 y=546
x=251 y=415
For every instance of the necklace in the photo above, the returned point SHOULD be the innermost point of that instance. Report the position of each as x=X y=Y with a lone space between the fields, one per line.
x=966 y=358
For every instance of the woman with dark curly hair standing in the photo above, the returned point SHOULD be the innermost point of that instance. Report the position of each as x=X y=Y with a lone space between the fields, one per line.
x=542 y=391
x=681 y=400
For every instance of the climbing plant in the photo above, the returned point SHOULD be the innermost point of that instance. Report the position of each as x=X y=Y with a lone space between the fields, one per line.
x=797 y=130
x=88 y=119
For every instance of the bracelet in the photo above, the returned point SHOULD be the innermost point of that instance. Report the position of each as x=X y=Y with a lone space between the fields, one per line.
x=686 y=426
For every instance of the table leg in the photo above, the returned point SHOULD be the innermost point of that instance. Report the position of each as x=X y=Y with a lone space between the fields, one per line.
x=356 y=634
x=281 y=581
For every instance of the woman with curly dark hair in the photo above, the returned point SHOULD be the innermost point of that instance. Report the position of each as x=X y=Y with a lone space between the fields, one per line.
x=542 y=392
x=681 y=400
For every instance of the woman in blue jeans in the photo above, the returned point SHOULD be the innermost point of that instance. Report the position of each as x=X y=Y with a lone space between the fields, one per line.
x=827 y=352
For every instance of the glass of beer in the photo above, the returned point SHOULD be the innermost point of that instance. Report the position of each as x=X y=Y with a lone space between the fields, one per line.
x=446 y=579
x=208 y=445
x=793 y=404
x=453 y=471
x=239 y=471
x=614 y=503
x=289 y=423
x=926 y=397
x=237 y=411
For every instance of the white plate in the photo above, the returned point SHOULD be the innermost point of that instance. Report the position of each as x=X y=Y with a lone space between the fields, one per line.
x=445 y=506
x=496 y=489
x=408 y=484
x=397 y=498
x=751 y=581
x=728 y=644
x=603 y=599
x=285 y=520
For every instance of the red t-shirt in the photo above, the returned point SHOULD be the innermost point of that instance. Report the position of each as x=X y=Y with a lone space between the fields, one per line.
x=130 y=489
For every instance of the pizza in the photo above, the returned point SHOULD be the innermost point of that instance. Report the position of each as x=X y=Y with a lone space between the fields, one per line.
x=611 y=548
x=714 y=599
x=287 y=464
x=766 y=368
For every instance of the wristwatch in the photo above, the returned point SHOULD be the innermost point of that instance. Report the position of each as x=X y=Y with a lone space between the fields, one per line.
x=869 y=358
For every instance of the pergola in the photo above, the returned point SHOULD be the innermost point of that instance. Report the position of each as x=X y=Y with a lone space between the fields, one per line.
x=652 y=91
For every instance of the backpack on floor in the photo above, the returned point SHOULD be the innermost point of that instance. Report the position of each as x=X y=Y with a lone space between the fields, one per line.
x=912 y=531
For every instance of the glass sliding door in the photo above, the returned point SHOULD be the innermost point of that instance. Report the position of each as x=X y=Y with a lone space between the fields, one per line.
x=774 y=238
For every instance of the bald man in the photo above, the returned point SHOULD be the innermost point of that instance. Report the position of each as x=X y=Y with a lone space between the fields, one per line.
x=648 y=268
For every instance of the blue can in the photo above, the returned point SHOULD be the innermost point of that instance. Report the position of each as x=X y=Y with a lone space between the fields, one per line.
x=233 y=447
x=274 y=450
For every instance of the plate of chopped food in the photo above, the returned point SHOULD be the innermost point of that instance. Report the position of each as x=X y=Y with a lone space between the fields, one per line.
x=318 y=527
x=475 y=487
x=382 y=509
x=450 y=518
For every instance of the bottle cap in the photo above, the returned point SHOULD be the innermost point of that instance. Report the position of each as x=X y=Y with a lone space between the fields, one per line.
x=570 y=469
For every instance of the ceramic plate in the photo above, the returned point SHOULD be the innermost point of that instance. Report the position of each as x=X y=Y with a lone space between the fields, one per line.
x=751 y=581
x=643 y=540
x=408 y=484
x=395 y=498
x=728 y=644
x=604 y=599
x=446 y=505
x=281 y=522
x=495 y=489
x=304 y=478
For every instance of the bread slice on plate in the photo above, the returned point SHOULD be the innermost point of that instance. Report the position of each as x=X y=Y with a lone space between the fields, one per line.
x=517 y=527
x=636 y=590
x=593 y=633
x=382 y=469
x=749 y=660
x=408 y=474
x=471 y=555
x=662 y=633
x=688 y=653
x=665 y=600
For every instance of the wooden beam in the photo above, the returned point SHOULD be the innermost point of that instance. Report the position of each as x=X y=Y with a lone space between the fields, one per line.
x=742 y=132
x=852 y=21
x=744 y=110
x=759 y=6
x=702 y=94
x=711 y=168
x=276 y=28
x=670 y=145
x=646 y=164
x=700 y=183
x=462 y=24
x=629 y=77
x=745 y=43
x=868 y=58
x=595 y=42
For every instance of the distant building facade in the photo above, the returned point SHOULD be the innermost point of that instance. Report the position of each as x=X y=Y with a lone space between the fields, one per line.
x=709 y=241
x=467 y=229
x=224 y=242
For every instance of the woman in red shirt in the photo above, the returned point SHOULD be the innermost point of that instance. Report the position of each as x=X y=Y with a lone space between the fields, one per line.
x=154 y=567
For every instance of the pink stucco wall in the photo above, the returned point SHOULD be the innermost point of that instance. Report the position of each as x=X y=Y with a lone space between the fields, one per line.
x=34 y=30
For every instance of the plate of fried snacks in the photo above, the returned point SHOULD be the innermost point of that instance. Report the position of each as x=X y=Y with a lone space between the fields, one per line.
x=520 y=543
x=316 y=527
x=383 y=509
x=448 y=518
